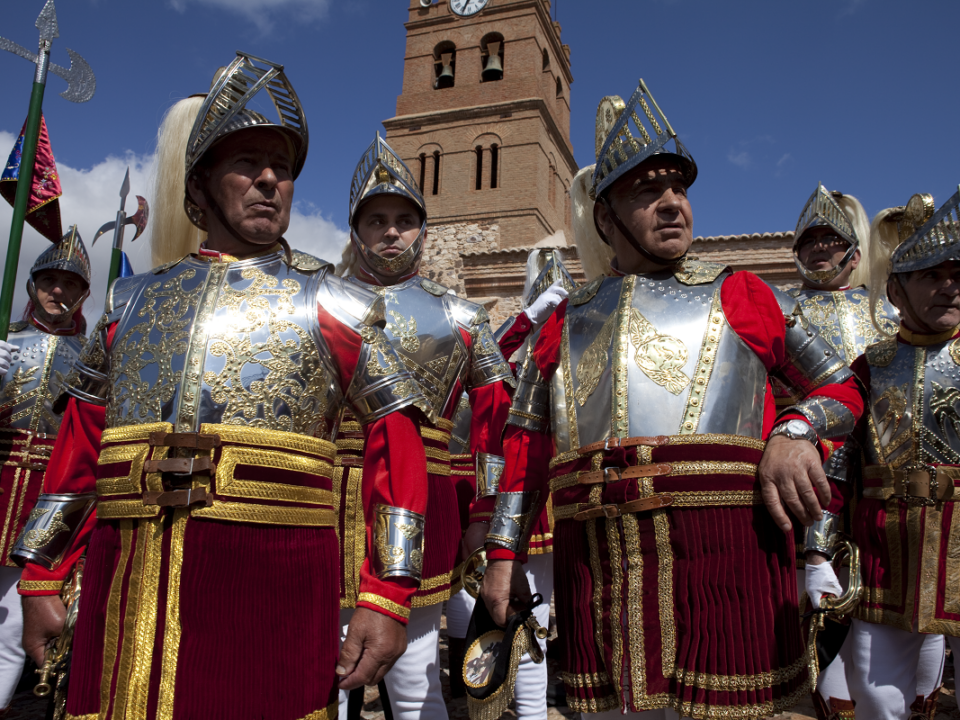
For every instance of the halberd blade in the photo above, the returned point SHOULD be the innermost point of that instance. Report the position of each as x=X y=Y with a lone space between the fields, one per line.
x=81 y=83
x=105 y=228
x=125 y=188
x=139 y=218
x=47 y=22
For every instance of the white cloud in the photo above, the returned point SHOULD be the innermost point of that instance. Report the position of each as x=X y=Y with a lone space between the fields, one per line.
x=784 y=160
x=262 y=13
x=740 y=159
x=91 y=198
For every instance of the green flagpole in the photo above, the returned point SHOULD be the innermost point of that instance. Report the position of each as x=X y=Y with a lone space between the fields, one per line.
x=24 y=186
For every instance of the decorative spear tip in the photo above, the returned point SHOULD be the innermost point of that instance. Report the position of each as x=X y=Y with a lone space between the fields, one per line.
x=47 y=22
x=125 y=188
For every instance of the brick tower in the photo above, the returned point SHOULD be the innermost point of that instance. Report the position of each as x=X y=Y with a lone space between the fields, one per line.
x=484 y=122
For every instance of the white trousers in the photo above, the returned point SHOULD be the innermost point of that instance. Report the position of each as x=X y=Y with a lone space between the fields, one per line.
x=413 y=683
x=12 y=655
x=891 y=667
x=531 y=690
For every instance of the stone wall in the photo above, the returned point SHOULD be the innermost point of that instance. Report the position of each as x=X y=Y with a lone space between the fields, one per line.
x=446 y=244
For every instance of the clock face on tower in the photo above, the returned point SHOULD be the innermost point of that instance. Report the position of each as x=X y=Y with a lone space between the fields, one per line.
x=466 y=8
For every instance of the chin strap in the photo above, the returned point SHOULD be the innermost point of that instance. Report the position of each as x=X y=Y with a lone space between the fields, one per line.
x=633 y=241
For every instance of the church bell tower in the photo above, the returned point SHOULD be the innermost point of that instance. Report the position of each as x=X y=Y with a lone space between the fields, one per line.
x=483 y=122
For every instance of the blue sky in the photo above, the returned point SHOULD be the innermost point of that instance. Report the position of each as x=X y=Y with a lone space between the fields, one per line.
x=769 y=97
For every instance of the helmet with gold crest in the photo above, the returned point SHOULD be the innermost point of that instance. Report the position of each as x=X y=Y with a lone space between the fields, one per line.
x=624 y=141
x=834 y=215
x=379 y=173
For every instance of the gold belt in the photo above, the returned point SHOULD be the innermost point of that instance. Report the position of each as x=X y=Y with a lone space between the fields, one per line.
x=914 y=484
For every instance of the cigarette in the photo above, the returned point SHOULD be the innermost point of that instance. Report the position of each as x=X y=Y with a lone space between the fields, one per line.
x=63 y=307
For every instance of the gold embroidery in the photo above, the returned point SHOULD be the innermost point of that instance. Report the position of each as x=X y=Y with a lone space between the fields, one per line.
x=355 y=535
x=634 y=578
x=951 y=600
x=660 y=357
x=436 y=454
x=264 y=437
x=404 y=330
x=563 y=458
x=596 y=573
x=122 y=484
x=382 y=602
x=437 y=435
x=40 y=585
x=594 y=361
x=705 y=362
x=131 y=618
x=438 y=468
x=268 y=514
x=111 y=638
x=568 y=415
x=593 y=705
x=589 y=680
x=620 y=422
x=231 y=486
x=733 y=683
x=132 y=433
x=171 y=640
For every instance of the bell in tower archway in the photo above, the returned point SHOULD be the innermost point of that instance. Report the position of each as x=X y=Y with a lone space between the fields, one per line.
x=445 y=78
x=493 y=70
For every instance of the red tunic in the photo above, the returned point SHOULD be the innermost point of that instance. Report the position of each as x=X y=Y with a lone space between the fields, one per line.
x=692 y=607
x=196 y=617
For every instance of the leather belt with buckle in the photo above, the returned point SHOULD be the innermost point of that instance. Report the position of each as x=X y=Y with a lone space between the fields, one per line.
x=615 y=474
x=181 y=466
x=653 y=502
x=618 y=442
x=183 y=498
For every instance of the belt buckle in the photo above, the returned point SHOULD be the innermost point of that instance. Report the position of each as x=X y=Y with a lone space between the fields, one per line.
x=606 y=475
x=932 y=484
x=611 y=443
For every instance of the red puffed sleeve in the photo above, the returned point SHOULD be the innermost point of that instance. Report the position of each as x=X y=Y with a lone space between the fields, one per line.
x=72 y=469
x=490 y=405
x=394 y=471
x=513 y=338
x=755 y=315
x=527 y=452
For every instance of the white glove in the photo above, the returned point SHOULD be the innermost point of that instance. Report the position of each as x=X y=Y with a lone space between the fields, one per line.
x=6 y=356
x=819 y=580
x=543 y=307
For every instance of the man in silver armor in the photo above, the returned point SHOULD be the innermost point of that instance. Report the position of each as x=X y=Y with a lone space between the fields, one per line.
x=39 y=353
x=202 y=415
x=446 y=344
x=831 y=250
x=645 y=408
x=905 y=519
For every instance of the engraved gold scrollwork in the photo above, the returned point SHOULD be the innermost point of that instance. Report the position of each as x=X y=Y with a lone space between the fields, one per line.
x=389 y=554
x=382 y=360
x=943 y=406
x=954 y=351
x=660 y=357
x=38 y=538
x=405 y=330
x=594 y=361
x=21 y=378
x=484 y=344
x=292 y=396
x=167 y=311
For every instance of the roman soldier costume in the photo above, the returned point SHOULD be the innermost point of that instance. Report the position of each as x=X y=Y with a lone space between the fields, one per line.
x=842 y=317
x=42 y=356
x=643 y=408
x=905 y=522
x=203 y=413
x=446 y=344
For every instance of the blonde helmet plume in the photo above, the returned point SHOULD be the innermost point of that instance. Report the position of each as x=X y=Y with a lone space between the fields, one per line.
x=883 y=240
x=595 y=254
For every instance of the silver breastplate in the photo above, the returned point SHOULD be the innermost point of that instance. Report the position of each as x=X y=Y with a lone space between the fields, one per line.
x=40 y=363
x=424 y=324
x=648 y=356
x=842 y=318
x=211 y=342
x=914 y=394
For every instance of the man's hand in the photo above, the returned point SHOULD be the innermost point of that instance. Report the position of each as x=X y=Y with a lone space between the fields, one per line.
x=373 y=644
x=43 y=618
x=791 y=474
x=505 y=590
x=473 y=538
x=6 y=356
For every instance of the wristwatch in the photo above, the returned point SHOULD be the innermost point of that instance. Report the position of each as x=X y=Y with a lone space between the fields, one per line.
x=796 y=430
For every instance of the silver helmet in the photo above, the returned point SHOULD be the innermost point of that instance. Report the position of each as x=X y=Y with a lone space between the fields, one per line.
x=224 y=112
x=382 y=172
x=936 y=241
x=619 y=149
x=68 y=255
x=823 y=210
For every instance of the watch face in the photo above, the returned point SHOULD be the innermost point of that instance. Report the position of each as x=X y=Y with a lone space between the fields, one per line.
x=465 y=8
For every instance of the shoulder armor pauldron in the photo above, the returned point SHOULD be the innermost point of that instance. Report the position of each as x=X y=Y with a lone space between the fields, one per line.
x=530 y=408
x=696 y=272
x=585 y=294
x=464 y=313
x=482 y=316
x=789 y=305
x=881 y=354
x=348 y=302
x=88 y=381
x=433 y=288
x=160 y=269
x=18 y=326
x=122 y=290
x=306 y=263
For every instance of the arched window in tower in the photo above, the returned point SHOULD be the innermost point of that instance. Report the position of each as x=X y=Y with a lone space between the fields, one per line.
x=436 y=172
x=494 y=165
x=559 y=88
x=491 y=54
x=552 y=188
x=423 y=170
x=546 y=60
x=479 y=179
x=444 y=64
